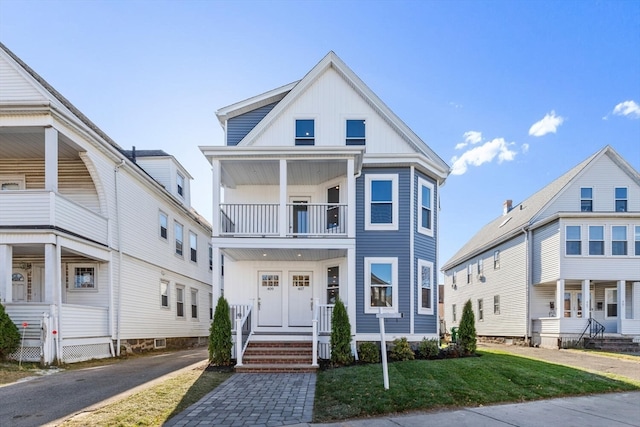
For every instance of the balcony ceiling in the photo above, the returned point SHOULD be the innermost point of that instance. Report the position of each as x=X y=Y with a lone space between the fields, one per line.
x=254 y=254
x=267 y=172
x=28 y=143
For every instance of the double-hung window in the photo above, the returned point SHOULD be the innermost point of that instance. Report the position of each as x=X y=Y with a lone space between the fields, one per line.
x=619 y=240
x=573 y=244
x=586 y=199
x=179 y=237
x=164 y=224
x=305 y=132
x=469 y=272
x=496 y=304
x=180 y=184
x=194 y=303
x=425 y=206
x=425 y=292
x=180 y=301
x=496 y=260
x=210 y=257
x=637 y=239
x=381 y=285
x=193 y=246
x=356 y=132
x=621 y=199
x=480 y=310
x=596 y=240
x=480 y=267
x=164 y=294
x=381 y=197
x=453 y=313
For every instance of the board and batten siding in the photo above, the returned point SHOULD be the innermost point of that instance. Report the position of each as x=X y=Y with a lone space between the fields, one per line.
x=508 y=281
x=15 y=87
x=395 y=244
x=545 y=255
x=238 y=127
x=425 y=249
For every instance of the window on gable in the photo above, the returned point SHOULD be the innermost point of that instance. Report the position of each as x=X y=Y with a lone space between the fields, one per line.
x=193 y=246
x=425 y=203
x=596 y=240
x=480 y=310
x=637 y=239
x=573 y=240
x=381 y=195
x=305 y=133
x=356 y=132
x=621 y=199
x=586 y=199
x=180 y=184
x=496 y=260
x=619 y=240
x=496 y=304
x=194 y=303
x=164 y=224
x=381 y=287
x=180 y=301
x=164 y=294
x=179 y=237
x=425 y=295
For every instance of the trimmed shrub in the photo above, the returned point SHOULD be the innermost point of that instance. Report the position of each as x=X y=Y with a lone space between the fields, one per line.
x=369 y=352
x=401 y=350
x=340 y=336
x=467 y=338
x=9 y=335
x=429 y=349
x=220 y=343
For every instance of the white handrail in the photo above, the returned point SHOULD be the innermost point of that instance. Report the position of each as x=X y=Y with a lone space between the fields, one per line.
x=314 y=360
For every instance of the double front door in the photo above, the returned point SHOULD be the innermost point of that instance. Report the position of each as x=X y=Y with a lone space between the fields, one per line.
x=273 y=292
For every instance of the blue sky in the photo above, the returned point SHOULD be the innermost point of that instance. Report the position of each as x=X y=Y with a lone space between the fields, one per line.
x=511 y=94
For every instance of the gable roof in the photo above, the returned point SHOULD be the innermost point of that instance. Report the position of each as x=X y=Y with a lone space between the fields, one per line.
x=524 y=215
x=289 y=93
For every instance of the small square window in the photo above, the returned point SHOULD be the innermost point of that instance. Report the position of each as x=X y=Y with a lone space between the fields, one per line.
x=356 y=132
x=305 y=132
x=84 y=277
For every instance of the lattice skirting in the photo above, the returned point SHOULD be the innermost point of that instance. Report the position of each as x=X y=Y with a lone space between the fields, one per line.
x=26 y=354
x=80 y=352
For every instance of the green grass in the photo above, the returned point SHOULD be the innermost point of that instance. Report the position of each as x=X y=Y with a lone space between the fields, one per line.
x=358 y=391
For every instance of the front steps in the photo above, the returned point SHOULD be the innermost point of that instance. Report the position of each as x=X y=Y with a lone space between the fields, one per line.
x=277 y=357
x=613 y=344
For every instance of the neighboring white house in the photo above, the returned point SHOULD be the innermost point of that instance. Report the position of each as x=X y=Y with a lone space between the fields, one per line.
x=99 y=247
x=326 y=193
x=566 y=256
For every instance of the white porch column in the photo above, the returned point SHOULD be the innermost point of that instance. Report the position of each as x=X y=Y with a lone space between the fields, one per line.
x=351 y=199
x=621 y=304
x=586 y=299
x=51 y=159
x=6 y=269
x=283 y=220
x=216 y=288
x=215 y=217
x=560 y=298
x=635 y=300
x=50 y=273
x=350 y=299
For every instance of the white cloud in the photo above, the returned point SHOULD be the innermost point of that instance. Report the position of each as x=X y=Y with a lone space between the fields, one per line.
x=548 y=124
x=628 y=109
x=525 y=148
x=481 y=154
x=470 y=137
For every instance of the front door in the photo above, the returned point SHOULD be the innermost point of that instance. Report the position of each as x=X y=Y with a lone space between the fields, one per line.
x=19 y=285
x=300 y=299
x=269 y=298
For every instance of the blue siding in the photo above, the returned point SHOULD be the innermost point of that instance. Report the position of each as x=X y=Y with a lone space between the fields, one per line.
x=424 y=247
x=384 y=244
x=238 y=127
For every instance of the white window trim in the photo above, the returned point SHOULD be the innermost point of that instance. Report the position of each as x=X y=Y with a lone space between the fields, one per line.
x=160 y=215
x=180 y=177
x=480 y=309
x=168 y=306
x=566 y=233
x=367 y=285
x=184 y=310
x=421 y=309
x=394 y=201
x=193 y=234
x=424 y=183
x=13 y=179
x=626 y=240
x=606 y=300
x=175 y=239
x=604 y=240
x=346 y=118
x=72 y=277
x=315 y=129
x=615 y=199
x=192 y=292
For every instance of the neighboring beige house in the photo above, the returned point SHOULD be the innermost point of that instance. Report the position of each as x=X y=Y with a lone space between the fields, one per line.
x=99 y=247
x=563 y=262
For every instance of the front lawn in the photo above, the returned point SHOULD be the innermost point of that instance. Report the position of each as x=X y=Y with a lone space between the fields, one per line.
x=358 y=391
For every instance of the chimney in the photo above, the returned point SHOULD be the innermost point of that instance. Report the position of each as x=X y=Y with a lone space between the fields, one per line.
x=133 y=154
x=506 y=206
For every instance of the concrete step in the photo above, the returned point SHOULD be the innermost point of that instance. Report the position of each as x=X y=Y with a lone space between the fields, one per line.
x=275 y=368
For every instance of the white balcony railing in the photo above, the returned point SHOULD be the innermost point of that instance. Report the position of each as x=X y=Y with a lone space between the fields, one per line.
x=26 y=208
x=303 y=219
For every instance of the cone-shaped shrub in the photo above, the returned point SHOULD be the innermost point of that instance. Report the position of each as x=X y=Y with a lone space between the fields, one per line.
x=340 y=335
x=220 y=335
x=9 y=335
x=467 y=331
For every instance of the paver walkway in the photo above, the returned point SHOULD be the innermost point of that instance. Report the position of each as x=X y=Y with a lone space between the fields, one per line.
x=253 y=400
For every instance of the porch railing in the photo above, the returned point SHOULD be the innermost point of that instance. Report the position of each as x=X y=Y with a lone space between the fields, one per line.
x=595 y=328
x=241 y=327
x=303 y=219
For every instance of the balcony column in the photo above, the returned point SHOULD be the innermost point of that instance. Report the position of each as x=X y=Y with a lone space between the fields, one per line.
x=50 y=159
x=216 y=278
x=351 y=199
x=283 y=217
x=586 y=299
x=50 y=273
x=215 y=172
x=6 y=269
x=622 y=309
x=560 y=298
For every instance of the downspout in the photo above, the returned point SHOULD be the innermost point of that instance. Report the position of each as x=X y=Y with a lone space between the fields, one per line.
x=119 y=233
x=527 y=242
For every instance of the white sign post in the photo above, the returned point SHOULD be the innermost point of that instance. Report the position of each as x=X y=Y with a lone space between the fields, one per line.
x=383 y=344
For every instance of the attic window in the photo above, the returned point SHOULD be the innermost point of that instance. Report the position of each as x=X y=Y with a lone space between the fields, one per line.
x=180 y=184
x=505 y=221
x=355 y=132
x=305 y=132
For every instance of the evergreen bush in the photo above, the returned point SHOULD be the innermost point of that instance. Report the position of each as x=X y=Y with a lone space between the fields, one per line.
x=467 y=338
x=369 y=352
x=9 y=335
x=340 y=335
x=429 y=349
x=220 y=343
x=401 y=350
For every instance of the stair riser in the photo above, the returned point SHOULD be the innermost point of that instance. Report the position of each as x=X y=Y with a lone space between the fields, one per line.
x=273 y=370
x=264 y=352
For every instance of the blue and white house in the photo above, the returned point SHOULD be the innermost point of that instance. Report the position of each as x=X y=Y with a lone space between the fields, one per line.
x=321 y=191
